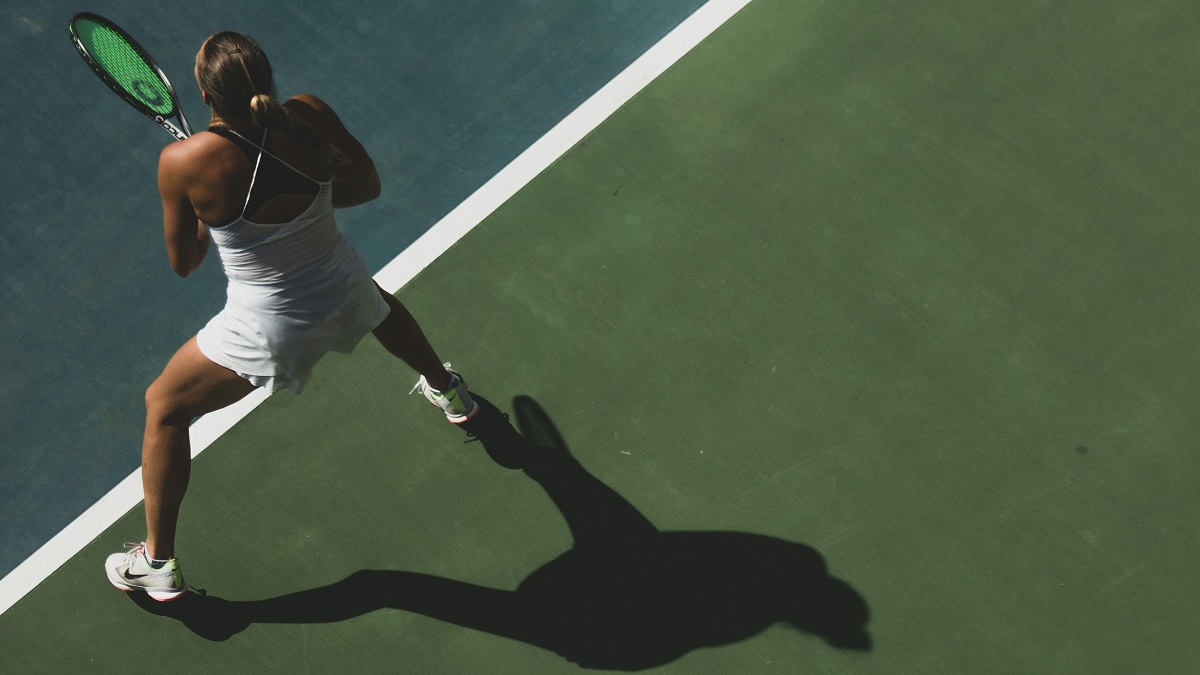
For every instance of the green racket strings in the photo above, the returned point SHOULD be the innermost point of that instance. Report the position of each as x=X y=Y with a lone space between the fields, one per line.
x=124 y=65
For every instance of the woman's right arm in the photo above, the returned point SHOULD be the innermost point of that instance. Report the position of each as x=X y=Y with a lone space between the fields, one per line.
x=354 y=183
x=187 y=238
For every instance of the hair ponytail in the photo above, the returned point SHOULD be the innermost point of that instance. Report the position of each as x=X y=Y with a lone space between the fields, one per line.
x=235 y=73
x=267 y=113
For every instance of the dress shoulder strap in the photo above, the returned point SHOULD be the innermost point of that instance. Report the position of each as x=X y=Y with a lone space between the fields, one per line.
x=263 y=150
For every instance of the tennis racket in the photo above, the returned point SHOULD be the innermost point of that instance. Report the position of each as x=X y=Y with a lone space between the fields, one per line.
x=121 y=63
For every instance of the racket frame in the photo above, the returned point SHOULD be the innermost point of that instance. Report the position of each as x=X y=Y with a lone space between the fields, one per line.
x=179 y=132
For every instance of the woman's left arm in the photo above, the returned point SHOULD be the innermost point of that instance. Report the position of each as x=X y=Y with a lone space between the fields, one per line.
x=187 y=238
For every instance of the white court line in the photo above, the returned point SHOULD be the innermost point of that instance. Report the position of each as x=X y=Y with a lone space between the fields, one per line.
x=126 y=495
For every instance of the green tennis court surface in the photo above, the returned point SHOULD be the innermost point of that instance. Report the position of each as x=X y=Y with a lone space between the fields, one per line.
x=914 y=287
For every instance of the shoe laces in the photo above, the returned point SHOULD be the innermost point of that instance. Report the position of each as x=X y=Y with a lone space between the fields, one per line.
x=422 y=384
x=134 y=549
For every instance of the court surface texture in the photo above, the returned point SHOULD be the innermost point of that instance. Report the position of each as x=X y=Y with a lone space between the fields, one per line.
x=903 y=297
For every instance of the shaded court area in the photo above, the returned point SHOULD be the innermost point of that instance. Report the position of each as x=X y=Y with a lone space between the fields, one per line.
x=898 y=297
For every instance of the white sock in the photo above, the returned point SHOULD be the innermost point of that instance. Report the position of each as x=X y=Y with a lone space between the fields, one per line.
x=154 y=562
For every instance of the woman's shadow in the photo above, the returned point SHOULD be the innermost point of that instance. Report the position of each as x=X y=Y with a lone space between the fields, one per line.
x=626 y=596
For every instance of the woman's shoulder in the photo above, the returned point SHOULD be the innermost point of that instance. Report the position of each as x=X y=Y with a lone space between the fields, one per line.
x=198 y=147
x=316 y=112
x=309 y=101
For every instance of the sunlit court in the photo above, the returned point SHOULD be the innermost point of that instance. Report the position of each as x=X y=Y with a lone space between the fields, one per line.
x=804 y=336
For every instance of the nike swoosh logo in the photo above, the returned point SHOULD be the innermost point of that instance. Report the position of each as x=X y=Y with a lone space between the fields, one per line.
x=131 y=577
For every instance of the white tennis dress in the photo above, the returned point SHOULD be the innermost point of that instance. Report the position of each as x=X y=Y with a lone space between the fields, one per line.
x=296 y=291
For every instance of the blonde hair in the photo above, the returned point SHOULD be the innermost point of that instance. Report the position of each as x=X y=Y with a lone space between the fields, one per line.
x=235 y=73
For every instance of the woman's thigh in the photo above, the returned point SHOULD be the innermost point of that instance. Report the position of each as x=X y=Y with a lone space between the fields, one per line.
x=192 y=385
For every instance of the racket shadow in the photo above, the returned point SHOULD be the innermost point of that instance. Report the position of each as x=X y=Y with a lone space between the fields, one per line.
x=626 y=596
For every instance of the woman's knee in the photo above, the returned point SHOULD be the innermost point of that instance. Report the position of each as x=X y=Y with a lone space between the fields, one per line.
x=163 y=407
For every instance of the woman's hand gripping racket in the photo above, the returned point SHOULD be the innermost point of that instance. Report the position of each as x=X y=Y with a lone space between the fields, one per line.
x=121 y=63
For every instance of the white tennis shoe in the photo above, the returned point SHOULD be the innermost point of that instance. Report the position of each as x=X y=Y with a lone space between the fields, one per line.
x=131 y=571
x=455 y=401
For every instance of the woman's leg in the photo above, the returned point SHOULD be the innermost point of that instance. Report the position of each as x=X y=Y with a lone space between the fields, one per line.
x=402 y=336
x=190 y=385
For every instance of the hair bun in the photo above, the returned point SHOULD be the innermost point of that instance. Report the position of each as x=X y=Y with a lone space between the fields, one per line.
x=265 y=111
x=262 y=102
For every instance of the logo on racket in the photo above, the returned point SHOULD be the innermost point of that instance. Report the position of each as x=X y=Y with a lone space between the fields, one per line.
x=162 y=122
x=148 y=93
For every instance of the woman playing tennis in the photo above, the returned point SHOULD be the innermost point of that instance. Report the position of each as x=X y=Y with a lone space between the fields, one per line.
x=262 y=184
